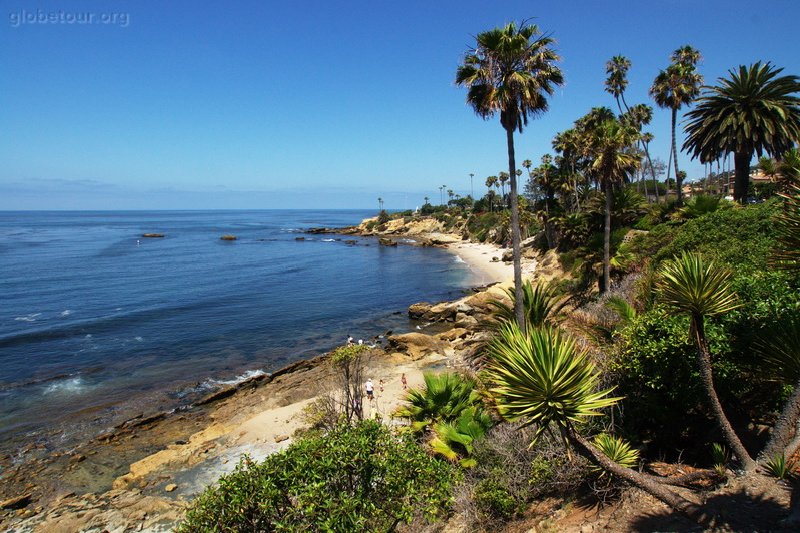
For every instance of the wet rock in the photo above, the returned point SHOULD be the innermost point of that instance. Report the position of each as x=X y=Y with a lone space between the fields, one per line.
x=387 y=242
x=350 y=242
x=299 y=238
x=228 y=238
x=171 y=487
x=77 y=458
x=152 y=235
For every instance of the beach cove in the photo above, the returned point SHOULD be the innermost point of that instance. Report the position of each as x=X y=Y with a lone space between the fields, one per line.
x=144 y=469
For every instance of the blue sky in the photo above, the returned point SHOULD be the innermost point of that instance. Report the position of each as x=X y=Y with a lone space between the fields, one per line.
x=266 y=104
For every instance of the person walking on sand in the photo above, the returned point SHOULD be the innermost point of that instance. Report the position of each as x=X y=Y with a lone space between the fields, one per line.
x=403 y=381
x=380 y=386
x=370 y=389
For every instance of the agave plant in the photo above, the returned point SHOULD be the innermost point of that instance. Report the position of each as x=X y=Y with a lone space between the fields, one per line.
x=538 y=303
x=443 y=399
x=454 y=440
x=701 y=290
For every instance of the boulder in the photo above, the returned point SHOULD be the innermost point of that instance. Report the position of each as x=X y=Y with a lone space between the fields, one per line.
x=170 y=487
x=453 y=334
x=508 y=256
x=465 y=321
x=416 y=345
x=228 y=238
x=152 y=235
x=419 y=311
x=443 y=311
x=387 y=242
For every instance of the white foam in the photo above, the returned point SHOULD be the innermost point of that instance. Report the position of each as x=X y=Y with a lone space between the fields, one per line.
x=88 y=336
x=67 y=386
x=138 y=339
x=328 y=240
x=238 y=379
x=66 y=312
x=28 y=318
x=458 y=259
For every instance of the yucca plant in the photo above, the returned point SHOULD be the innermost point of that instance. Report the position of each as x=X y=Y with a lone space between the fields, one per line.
x=443 y=398
x=779 y=467
x=538 y=304
x=786 y=255
x=779 y=346
x=720 y=456
x=701 y=289
x=616 y=449
x=541 y=378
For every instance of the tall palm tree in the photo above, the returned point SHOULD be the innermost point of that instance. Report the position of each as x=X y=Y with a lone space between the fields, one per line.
x=613 y=160
x=511 y=70
x=752 y=111
x=543 y=379
x=617 y=81
x=702 y=290
x=502 y=177
x=674 y=87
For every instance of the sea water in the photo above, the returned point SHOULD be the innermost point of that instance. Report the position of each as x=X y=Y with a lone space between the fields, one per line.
x=95 y=317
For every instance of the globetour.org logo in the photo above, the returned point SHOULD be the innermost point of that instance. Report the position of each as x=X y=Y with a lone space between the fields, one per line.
x=43 y=17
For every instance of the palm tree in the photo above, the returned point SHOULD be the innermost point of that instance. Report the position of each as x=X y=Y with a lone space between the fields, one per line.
x=511 y=71
x=441 y=194
x=443 y=399
x=617 y=81
x=701 y=290
x=613 y=161
x=502 y=178
x=427 y=200
x=675 y=87
x=542 y=378
x=380 y=203
x=753 y=111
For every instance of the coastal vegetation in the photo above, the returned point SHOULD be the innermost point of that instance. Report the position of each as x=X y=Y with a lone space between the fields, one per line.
x=672 y=335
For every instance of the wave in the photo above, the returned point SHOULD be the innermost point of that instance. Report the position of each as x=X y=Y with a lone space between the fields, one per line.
x=66 y=312
x=28 y=318
x=457 y=259
x=97 y=325
x=74 y=385
x=238 y=379
x=328 y=240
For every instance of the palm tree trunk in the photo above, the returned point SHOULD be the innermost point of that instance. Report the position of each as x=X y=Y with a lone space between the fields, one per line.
x=784 y=430
x=741 y=162
x=515 y=233
x=655 y=489
x=607 y=239
x=704 y=362
x=678 y=179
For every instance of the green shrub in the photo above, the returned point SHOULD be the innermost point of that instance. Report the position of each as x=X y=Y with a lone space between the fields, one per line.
x=383 y=217
x=359 y=478
x=493 y=498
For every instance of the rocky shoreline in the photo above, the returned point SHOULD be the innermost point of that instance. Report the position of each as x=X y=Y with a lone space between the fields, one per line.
x=140 y=475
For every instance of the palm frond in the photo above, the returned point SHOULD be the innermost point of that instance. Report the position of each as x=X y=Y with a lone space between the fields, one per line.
x=701 y=289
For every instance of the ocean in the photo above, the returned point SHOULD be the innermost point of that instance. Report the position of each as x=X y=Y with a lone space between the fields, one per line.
x=97 y=321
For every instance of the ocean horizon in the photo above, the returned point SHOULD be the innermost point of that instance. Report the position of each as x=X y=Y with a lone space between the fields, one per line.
x=99 y=322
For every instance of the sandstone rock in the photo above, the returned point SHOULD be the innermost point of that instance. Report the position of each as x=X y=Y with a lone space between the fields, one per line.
x=419 y=311
x=453 y=334
x=77 y=458
x=17 y=502
x=495 y=259
x=416 y=345
x=462 y=307
x=387 y=242
x=228 y=238
x=152 y=235
x=281 y=438
x=508 y=256
x=171 y=487
x=443 y=311
x=465 y=321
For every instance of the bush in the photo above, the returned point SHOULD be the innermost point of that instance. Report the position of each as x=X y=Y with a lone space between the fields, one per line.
x=383 y=217
x=359 y=478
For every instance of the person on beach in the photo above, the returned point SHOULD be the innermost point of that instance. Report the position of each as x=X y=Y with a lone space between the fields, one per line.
x=349 y=339
x=403 y=381
x=380 y=386
x=370 y=389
